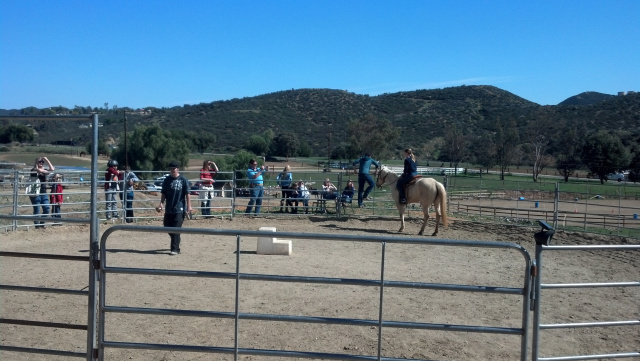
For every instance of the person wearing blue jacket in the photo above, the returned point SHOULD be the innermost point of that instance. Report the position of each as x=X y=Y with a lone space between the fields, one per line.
x=363 y=176
x=410 y=171
x=285 y=179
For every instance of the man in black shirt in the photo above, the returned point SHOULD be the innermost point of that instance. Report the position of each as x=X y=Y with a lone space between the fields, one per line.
x=175 y=190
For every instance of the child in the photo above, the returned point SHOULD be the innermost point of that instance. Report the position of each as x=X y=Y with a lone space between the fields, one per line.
x=56 y=195
x=303 y=196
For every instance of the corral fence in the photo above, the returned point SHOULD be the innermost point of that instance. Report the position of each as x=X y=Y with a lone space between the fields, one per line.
x=615 y=212
x=229 y=198
x=614 y=289
x=241 y=278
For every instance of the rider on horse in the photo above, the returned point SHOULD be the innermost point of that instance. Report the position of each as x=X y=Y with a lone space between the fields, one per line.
x=410 y=171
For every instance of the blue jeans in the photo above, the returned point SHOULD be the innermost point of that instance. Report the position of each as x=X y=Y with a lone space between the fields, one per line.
x=404 y=179
x=112 y=206
x=362 y=178
x=38 y=201
x=55 y=210
x=174 y=220
x=129 y=207
x=256 y=194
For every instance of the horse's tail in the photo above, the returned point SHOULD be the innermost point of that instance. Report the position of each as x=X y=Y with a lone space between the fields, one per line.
x=442 y=203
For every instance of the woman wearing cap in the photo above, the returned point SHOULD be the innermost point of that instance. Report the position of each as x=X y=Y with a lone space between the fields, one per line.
x=41 y=199
x=111 y=188
x=256 y=187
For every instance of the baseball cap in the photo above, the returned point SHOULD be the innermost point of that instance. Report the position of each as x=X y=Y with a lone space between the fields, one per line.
x=174 y=164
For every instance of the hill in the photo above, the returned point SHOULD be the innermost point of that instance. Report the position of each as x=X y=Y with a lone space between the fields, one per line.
x=586 y=98
x=421 y=115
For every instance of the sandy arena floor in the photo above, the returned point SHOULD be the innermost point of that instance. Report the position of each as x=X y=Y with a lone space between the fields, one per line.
x=318 y=258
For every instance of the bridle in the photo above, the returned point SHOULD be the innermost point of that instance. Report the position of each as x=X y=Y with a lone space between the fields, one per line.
x=384 y=179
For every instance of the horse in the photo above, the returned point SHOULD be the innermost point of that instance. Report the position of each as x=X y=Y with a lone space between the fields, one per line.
x=426 y=191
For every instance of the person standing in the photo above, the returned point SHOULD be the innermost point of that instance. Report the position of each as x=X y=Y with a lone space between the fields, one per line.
x=175 y=190
x=365 y=163
x=256 y=186
x=111 y=188
x=410 y=170
x=129 y=179
x=40 y=198
x=285 y=179
x=303 y=196
x=205 y=191
x=56 y=196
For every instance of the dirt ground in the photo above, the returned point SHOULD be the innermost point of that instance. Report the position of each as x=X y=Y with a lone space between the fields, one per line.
x=319 y=258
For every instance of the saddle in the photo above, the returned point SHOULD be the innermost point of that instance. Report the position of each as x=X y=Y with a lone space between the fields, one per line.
x=413 y=181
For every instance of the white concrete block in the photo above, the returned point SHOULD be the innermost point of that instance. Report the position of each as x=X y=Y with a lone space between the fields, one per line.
x=273 y=246
x=282 y=247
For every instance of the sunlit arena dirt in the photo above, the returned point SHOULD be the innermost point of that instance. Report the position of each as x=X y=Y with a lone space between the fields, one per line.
x=318 y=258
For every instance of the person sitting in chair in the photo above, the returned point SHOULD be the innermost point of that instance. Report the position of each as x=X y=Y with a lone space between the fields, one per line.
x=329 y=191
x=347 y=193
x=410 y=171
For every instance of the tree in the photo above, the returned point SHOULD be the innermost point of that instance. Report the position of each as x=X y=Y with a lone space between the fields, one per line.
x=568 y=154
x=257 y=144
x=103 y=148
x=372 y=134
x=199 y=142
x=285 y=145
x=634 y=168
x=16 y=133
x=536 y=134
x=305 y=149
x=456 y=146
x=604 y=153
x=152 y=148
x=484 y=149
x=506 y=141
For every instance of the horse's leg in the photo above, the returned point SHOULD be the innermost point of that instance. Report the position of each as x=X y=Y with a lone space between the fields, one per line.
x=435 y=232
x=425 y=212
x=401 y=208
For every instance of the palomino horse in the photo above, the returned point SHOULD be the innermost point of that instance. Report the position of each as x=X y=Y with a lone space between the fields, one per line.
x=426 y=191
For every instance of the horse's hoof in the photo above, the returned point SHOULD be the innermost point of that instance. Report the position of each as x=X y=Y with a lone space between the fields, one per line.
x=434 y=234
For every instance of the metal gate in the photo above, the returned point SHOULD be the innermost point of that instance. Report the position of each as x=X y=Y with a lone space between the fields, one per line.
x=90 y=260
x=543 y=240
x=105 y=270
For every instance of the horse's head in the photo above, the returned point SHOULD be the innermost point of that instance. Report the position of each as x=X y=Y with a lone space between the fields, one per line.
x=381 y=175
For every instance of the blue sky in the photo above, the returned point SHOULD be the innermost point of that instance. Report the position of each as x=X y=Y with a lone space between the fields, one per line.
x=166 y=53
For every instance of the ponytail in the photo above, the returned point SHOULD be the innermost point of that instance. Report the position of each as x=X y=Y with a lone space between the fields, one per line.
x=410 y=152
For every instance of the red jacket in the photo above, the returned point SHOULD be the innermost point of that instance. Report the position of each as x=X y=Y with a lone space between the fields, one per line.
x=110 y=178
x=56 y=198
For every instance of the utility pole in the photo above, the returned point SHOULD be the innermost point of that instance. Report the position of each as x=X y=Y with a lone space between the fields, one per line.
x=329 y=151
